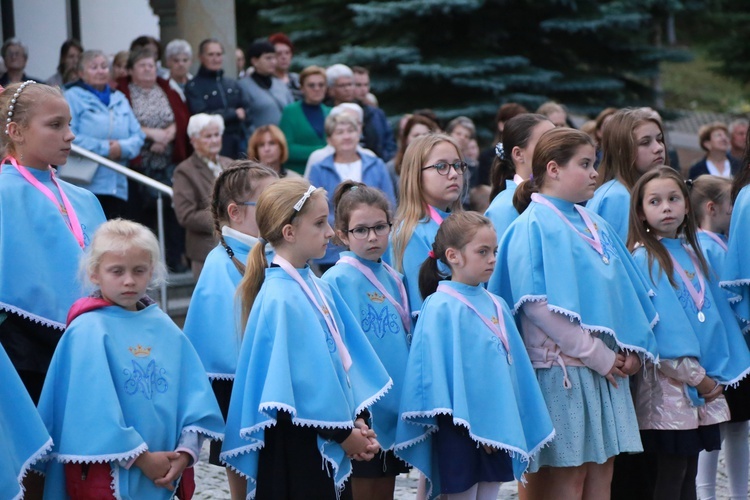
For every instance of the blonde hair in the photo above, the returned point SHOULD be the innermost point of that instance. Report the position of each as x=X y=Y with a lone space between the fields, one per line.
x=412 y=205
x=274 y=210
x=31 y=97
x=121 y=236
x=333 y=121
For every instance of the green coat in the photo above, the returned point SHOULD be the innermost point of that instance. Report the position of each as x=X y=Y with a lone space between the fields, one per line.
x=300 y=136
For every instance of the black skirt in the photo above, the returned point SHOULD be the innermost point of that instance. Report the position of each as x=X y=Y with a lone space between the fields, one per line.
x=738 y=399
x=682 y=442
x=463 y=463
x=384 y=464
x=223 y=392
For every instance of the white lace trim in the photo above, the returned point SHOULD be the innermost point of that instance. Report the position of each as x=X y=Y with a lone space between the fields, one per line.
x=26 y=467
x=220 y=376
x=729 y=283
x=736 y=381
x=115 y=457
x=375 y=397
x=115 y=484
x=32 y=317
x=525 y=299
x=216 y=436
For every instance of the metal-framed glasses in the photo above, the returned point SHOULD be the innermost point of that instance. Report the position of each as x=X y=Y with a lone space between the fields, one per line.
x=362 y=232
x=443 y=168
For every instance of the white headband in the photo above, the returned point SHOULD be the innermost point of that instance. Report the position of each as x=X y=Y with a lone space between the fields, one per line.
x=298 y=206
x=13 y=101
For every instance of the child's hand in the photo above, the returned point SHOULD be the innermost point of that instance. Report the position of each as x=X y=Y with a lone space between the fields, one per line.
x=709 y=389
x=616 y=370
x=356 y=444
x=632 y=364
x=177 y=465
x=155 y=465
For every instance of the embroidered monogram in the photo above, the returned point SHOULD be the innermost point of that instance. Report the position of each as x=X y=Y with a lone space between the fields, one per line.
x=379 y=323
x=148 y=381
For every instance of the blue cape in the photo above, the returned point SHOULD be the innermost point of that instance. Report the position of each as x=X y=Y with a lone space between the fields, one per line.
x=121 y=382
x=38 y=253
x=542 y=258
x=717 y=343
x=415 y=254
x=24 y=439
x=383 y=327
x=612 y=203
x=501 y=211
x=736 y=273
x=289 y=361
x=458 y=367
x=212 y=323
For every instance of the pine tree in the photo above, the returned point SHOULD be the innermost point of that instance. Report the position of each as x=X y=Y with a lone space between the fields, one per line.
x=469 y=56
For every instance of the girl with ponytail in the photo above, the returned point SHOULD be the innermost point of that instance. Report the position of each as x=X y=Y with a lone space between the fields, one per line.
x=211 y=323
x=585 y=315
x=306 y=372
x=472 y=414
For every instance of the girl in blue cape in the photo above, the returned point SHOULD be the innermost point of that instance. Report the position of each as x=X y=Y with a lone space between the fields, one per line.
x=701 y=348
x=736 y=277
x=212 y=322
x=632 y=144
x=711 y=199
x=375 y=294
x=126 y=400
x=431 y=187
x=512 y=166
x=45 y=226
x=585 y=316
x=472 y=414
x=306 y=372
x=24 y=440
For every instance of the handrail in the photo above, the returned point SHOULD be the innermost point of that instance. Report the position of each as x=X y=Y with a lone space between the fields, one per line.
x=162 y=189
x=132 y=174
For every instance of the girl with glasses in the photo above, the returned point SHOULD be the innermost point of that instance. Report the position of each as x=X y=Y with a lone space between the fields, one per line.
x=375 y=295
x=431 y=187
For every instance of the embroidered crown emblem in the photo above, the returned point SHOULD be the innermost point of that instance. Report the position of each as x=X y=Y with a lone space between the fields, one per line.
x=376 y=297
x=325 y=310
x=495 y=320
x=140 y=351
x=690 y=275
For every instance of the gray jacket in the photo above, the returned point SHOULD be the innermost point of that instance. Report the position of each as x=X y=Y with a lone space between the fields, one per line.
x=264 y=106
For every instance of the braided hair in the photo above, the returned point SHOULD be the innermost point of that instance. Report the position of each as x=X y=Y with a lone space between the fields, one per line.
x=234 y=184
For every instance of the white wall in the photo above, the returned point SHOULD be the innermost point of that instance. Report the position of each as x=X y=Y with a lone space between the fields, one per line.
x=108 y=25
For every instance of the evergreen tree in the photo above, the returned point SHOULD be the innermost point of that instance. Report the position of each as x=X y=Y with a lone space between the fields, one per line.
x=469 y=56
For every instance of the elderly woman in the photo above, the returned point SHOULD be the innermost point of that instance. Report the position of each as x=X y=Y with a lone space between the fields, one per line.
x=303 y=121
x=343 y=131
x=268 y=146
x=714 y=140
x=163 y=117
x=193 y=182
x=104 y=123
x=179 y=57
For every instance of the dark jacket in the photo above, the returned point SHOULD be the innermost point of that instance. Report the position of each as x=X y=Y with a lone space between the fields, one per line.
x=209 y=92
x=377 y=132
x=701 y=168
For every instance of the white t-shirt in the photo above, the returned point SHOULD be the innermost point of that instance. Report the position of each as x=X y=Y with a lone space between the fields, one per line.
x=349 y=171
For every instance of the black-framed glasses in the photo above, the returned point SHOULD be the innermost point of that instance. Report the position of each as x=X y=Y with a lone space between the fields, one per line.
x=248 y=203
x=362 y=232
x=443 y=168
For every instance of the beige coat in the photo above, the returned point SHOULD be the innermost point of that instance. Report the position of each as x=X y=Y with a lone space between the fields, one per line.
x=193 y=183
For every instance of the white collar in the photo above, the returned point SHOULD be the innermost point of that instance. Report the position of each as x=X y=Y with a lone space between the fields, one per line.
x=237 y=235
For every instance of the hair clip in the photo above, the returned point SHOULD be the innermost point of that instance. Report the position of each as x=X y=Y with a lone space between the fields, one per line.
x=12 y=105
x=298 y=206
x=353 y=188
x=431 y=255
x=689 y=184
x=499 y=151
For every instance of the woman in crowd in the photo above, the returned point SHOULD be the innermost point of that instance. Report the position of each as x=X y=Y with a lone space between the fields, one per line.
x=415 y=126
x=268 y=146
x=67 y=68
x=103 y=122
x=163 y=117
x=303 y=121
x=179 y=57
x=193 y=181
x=284 y=53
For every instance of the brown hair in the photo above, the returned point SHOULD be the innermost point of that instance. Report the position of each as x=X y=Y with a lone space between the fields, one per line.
x=456 y=231
x=349 y=196
x=254 y=143
x=274 y=210
x=742 y=178
x=601 y=118
x=704 y=133
x=410 y=123
x=32 y=96
x=639 y=232
x=619 y=149
x=516 y=134
x=234 y=184
x=558 y=145
x=505 y=113
x=708 y=188
x=412 y=206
